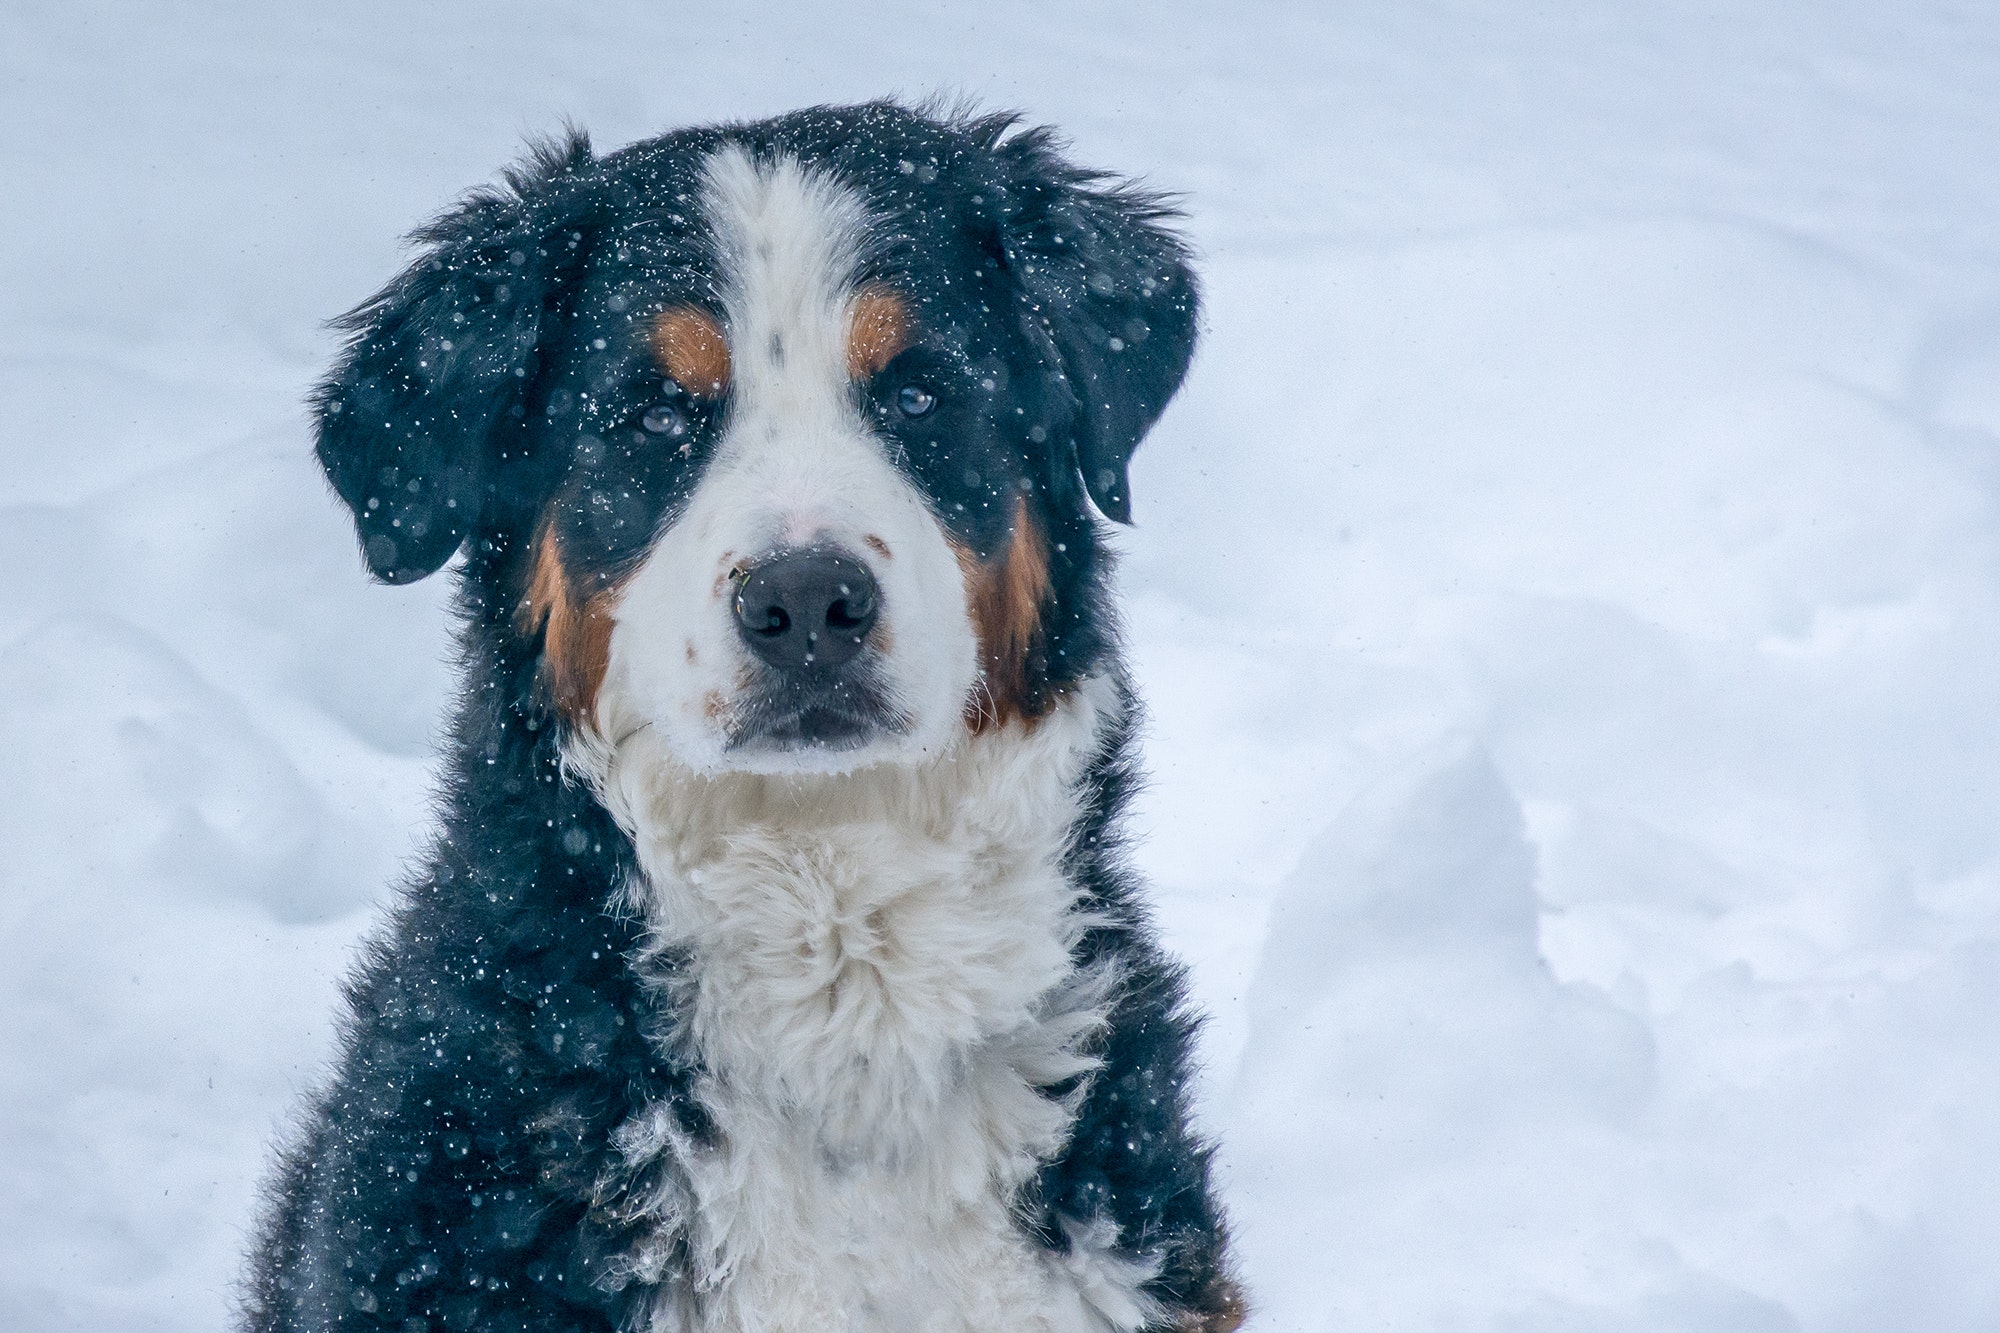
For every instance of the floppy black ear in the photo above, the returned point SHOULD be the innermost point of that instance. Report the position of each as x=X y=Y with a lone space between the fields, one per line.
x=414 y=418
x=1110 y=289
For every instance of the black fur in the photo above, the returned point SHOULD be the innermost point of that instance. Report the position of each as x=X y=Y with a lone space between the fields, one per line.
x=454 y=1174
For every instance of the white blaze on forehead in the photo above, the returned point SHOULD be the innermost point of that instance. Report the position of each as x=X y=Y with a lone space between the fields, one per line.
x=797 y=464
x=790 y=241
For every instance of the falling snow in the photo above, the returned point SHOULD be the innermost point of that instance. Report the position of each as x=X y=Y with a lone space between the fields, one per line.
x=1566 y=592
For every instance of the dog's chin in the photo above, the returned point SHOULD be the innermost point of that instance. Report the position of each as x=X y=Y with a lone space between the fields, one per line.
x=824 y=732
x=844 y=752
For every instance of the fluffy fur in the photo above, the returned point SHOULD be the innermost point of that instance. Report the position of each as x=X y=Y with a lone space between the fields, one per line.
x=909 y=921
x=733 y=997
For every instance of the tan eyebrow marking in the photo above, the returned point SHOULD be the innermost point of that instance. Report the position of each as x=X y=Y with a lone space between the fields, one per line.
x=878 y=327
x=691 y=349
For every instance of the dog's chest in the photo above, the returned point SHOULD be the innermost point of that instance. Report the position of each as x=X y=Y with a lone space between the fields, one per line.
x=880 y=993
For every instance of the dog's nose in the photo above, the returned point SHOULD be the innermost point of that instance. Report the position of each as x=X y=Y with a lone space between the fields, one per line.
x=806 y=608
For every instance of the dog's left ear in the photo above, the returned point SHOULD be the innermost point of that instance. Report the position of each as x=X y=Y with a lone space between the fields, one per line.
x=424 y=412
x=1111 y=292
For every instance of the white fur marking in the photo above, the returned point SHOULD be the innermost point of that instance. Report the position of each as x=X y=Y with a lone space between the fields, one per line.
x=1112 y=1283
x=874 y=970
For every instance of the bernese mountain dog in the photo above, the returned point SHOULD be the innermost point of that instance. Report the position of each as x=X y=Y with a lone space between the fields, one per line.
x=775 y=967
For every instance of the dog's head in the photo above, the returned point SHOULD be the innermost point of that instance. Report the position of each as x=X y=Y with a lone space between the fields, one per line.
x=782 y=439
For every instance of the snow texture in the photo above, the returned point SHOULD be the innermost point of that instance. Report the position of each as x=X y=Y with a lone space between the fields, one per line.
x=1568 y=592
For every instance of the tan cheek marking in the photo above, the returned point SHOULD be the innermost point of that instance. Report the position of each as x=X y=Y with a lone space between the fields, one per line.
x=1006 y=595
x=690 y=347
x=576 y=632
x=878 y=328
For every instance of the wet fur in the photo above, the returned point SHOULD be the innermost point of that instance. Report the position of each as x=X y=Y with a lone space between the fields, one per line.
x=535 y=1109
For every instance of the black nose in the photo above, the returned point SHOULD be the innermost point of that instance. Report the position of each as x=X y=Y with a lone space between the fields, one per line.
x=806 y=608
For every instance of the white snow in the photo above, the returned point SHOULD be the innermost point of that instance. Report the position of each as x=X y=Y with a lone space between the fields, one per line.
x=1568 y=592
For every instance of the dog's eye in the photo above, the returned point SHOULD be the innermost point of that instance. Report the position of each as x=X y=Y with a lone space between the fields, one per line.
x=668 y=419
x=914 y=400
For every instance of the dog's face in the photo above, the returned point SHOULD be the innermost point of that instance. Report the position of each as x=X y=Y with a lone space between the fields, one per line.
x=780 y=440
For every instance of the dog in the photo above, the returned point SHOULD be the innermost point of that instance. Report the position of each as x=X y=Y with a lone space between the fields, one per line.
x=775 y=965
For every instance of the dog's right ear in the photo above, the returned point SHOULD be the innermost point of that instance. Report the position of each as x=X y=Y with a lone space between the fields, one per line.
x=416 y=415
x=1110 y=293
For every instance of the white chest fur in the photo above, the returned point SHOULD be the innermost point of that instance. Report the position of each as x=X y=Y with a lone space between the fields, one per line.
x=874 y=970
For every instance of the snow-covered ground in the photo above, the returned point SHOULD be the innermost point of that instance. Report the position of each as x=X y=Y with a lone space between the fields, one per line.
x=1568 y=592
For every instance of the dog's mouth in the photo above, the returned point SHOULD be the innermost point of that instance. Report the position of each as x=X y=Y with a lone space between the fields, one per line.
x=830 y=712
